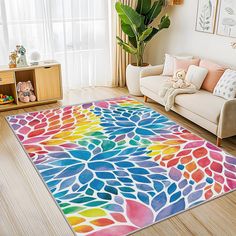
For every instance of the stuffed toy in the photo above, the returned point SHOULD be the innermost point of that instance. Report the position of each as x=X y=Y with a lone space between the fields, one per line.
x=178 y=81
x=25 y=92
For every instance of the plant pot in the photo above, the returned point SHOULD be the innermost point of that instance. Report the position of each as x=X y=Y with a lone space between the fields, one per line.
x=133 y=79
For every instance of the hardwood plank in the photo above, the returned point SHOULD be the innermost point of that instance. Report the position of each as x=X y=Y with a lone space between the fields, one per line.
x=27 y=208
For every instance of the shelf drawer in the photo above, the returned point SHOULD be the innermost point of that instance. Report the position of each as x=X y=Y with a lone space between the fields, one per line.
x=48 y=83
x=7 y=77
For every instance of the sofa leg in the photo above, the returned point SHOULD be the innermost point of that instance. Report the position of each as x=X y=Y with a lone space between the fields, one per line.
x=145 y=98
x=219 y=142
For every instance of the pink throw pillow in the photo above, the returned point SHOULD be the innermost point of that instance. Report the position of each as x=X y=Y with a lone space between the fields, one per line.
x=181 y=64
x=215 y=72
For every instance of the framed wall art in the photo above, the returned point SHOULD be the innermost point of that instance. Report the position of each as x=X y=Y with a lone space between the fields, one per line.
x=206 y=16
x=227 y=18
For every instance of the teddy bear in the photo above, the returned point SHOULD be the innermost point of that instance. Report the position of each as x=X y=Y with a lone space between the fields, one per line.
x=25 y=92
x=178 y=81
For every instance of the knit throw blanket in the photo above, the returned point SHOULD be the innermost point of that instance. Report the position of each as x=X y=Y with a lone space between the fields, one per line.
x=168 y=93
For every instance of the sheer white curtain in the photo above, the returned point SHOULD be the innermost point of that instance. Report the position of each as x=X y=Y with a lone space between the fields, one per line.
x=74 y=32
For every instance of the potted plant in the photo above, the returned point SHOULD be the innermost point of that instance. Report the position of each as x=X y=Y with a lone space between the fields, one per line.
x=136 y=24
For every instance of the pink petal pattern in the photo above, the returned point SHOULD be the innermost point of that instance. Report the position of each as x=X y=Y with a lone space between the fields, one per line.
x=139 y=214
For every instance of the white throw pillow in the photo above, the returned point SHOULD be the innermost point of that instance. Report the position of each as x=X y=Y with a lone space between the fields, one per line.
x=226 y=86
x=169 y=63
x=196 y=75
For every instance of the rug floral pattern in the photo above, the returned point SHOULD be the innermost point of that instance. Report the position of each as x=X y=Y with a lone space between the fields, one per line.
x=116 y=166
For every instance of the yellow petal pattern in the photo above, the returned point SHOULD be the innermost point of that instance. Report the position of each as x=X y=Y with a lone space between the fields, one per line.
x=96 y=212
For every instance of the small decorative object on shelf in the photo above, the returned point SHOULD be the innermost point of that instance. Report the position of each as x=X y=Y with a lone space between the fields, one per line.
x=5 y=99
x=35 y=57
x=13 y=58
x=21 y=62
x=25 y=92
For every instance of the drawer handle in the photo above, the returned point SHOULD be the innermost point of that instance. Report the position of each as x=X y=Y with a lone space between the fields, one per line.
x=47 y=67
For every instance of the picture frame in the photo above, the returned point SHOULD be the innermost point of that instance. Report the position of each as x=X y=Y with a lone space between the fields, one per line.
x=206 y=16
x=226 y=25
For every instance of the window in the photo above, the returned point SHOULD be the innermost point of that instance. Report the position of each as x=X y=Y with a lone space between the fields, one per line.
x=75 y=32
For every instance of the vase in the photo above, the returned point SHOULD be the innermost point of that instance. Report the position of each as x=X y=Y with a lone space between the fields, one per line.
x=133 y=78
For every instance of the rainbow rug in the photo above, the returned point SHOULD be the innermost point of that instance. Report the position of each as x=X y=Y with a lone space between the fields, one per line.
x=117 y=166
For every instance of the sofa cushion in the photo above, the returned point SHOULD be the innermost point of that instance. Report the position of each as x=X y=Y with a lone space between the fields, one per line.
x=226 y=87
x=169 y=63
x=183 y=64
x=154 y=83
x=202 y=103
x=215 y=72
x=196 y=75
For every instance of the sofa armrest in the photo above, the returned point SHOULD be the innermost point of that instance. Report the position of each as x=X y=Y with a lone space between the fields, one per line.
x=151 y=71
x=227 y=122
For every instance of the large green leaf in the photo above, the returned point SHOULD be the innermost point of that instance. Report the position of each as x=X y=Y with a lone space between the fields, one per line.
x=165 y=23
x=145 y=34
x=128 y=15
x=133 y=41
x=153 y=33
x=154 y=11
x=142 y=26
x=143 y=6
x=119 y=40
x=127 y=29
x=128 y=48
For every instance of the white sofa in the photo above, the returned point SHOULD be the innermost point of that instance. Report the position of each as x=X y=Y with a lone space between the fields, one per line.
x=213 y=113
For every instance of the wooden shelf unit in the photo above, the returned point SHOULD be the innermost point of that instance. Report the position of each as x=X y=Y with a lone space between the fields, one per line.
x=45 y=78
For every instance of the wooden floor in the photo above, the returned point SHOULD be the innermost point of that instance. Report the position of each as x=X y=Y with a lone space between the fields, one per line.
x=27 y=208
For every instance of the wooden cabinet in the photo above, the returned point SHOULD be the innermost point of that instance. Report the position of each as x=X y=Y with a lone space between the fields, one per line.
x=48 y=83
x=45 y=78
x=7 y=77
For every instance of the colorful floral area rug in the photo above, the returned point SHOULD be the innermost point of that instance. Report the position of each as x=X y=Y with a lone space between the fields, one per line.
x=117 y=166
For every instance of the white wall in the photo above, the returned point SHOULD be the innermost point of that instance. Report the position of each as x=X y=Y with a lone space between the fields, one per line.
x=181 y=38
